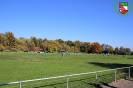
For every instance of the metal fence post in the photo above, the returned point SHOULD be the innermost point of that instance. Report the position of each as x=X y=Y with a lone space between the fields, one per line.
x=20 y=84
x=129 y=72
x=115 y=75
x=67 y=80
x=96 y=78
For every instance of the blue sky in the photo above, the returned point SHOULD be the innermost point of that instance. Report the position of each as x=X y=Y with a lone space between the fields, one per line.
x=84 y=20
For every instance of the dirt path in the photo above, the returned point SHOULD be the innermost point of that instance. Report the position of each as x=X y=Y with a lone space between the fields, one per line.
x=123 y=83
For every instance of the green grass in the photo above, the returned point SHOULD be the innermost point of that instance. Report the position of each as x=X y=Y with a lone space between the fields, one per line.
x=24 y=66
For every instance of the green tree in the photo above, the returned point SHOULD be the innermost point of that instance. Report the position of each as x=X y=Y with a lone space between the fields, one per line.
x=35 y=41
x=84 y=47
x=116 y=50
x=40 y=41
x=70 y=43
x=122 y=50
x=110 y=49
x=60 y=41
x=128 y=51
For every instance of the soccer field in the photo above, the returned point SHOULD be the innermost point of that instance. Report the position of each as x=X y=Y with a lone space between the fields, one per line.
x=17 y=66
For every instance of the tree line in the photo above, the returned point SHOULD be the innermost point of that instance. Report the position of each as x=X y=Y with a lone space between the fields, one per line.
x=8 y=42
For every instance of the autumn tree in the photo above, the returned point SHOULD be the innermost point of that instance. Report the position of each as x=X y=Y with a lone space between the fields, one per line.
x=77 y=44
x=72 y=49
x=2 y=48
x=3 y=41
x=53 y=46
x=11 y=42
x=44 y=45
x=19 y=46
x=58 y=45
x=30 y=44
x=95 y=47
x=66 y=47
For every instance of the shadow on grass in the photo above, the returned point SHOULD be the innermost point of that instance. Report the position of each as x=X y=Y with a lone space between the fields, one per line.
x=130 y=58
x=114 y=65
x=110 y=65
x=3 y=84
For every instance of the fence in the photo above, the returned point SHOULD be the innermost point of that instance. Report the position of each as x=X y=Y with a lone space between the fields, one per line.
x=67 y=77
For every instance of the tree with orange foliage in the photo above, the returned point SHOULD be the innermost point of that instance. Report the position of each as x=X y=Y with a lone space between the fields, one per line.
x=95 y=47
